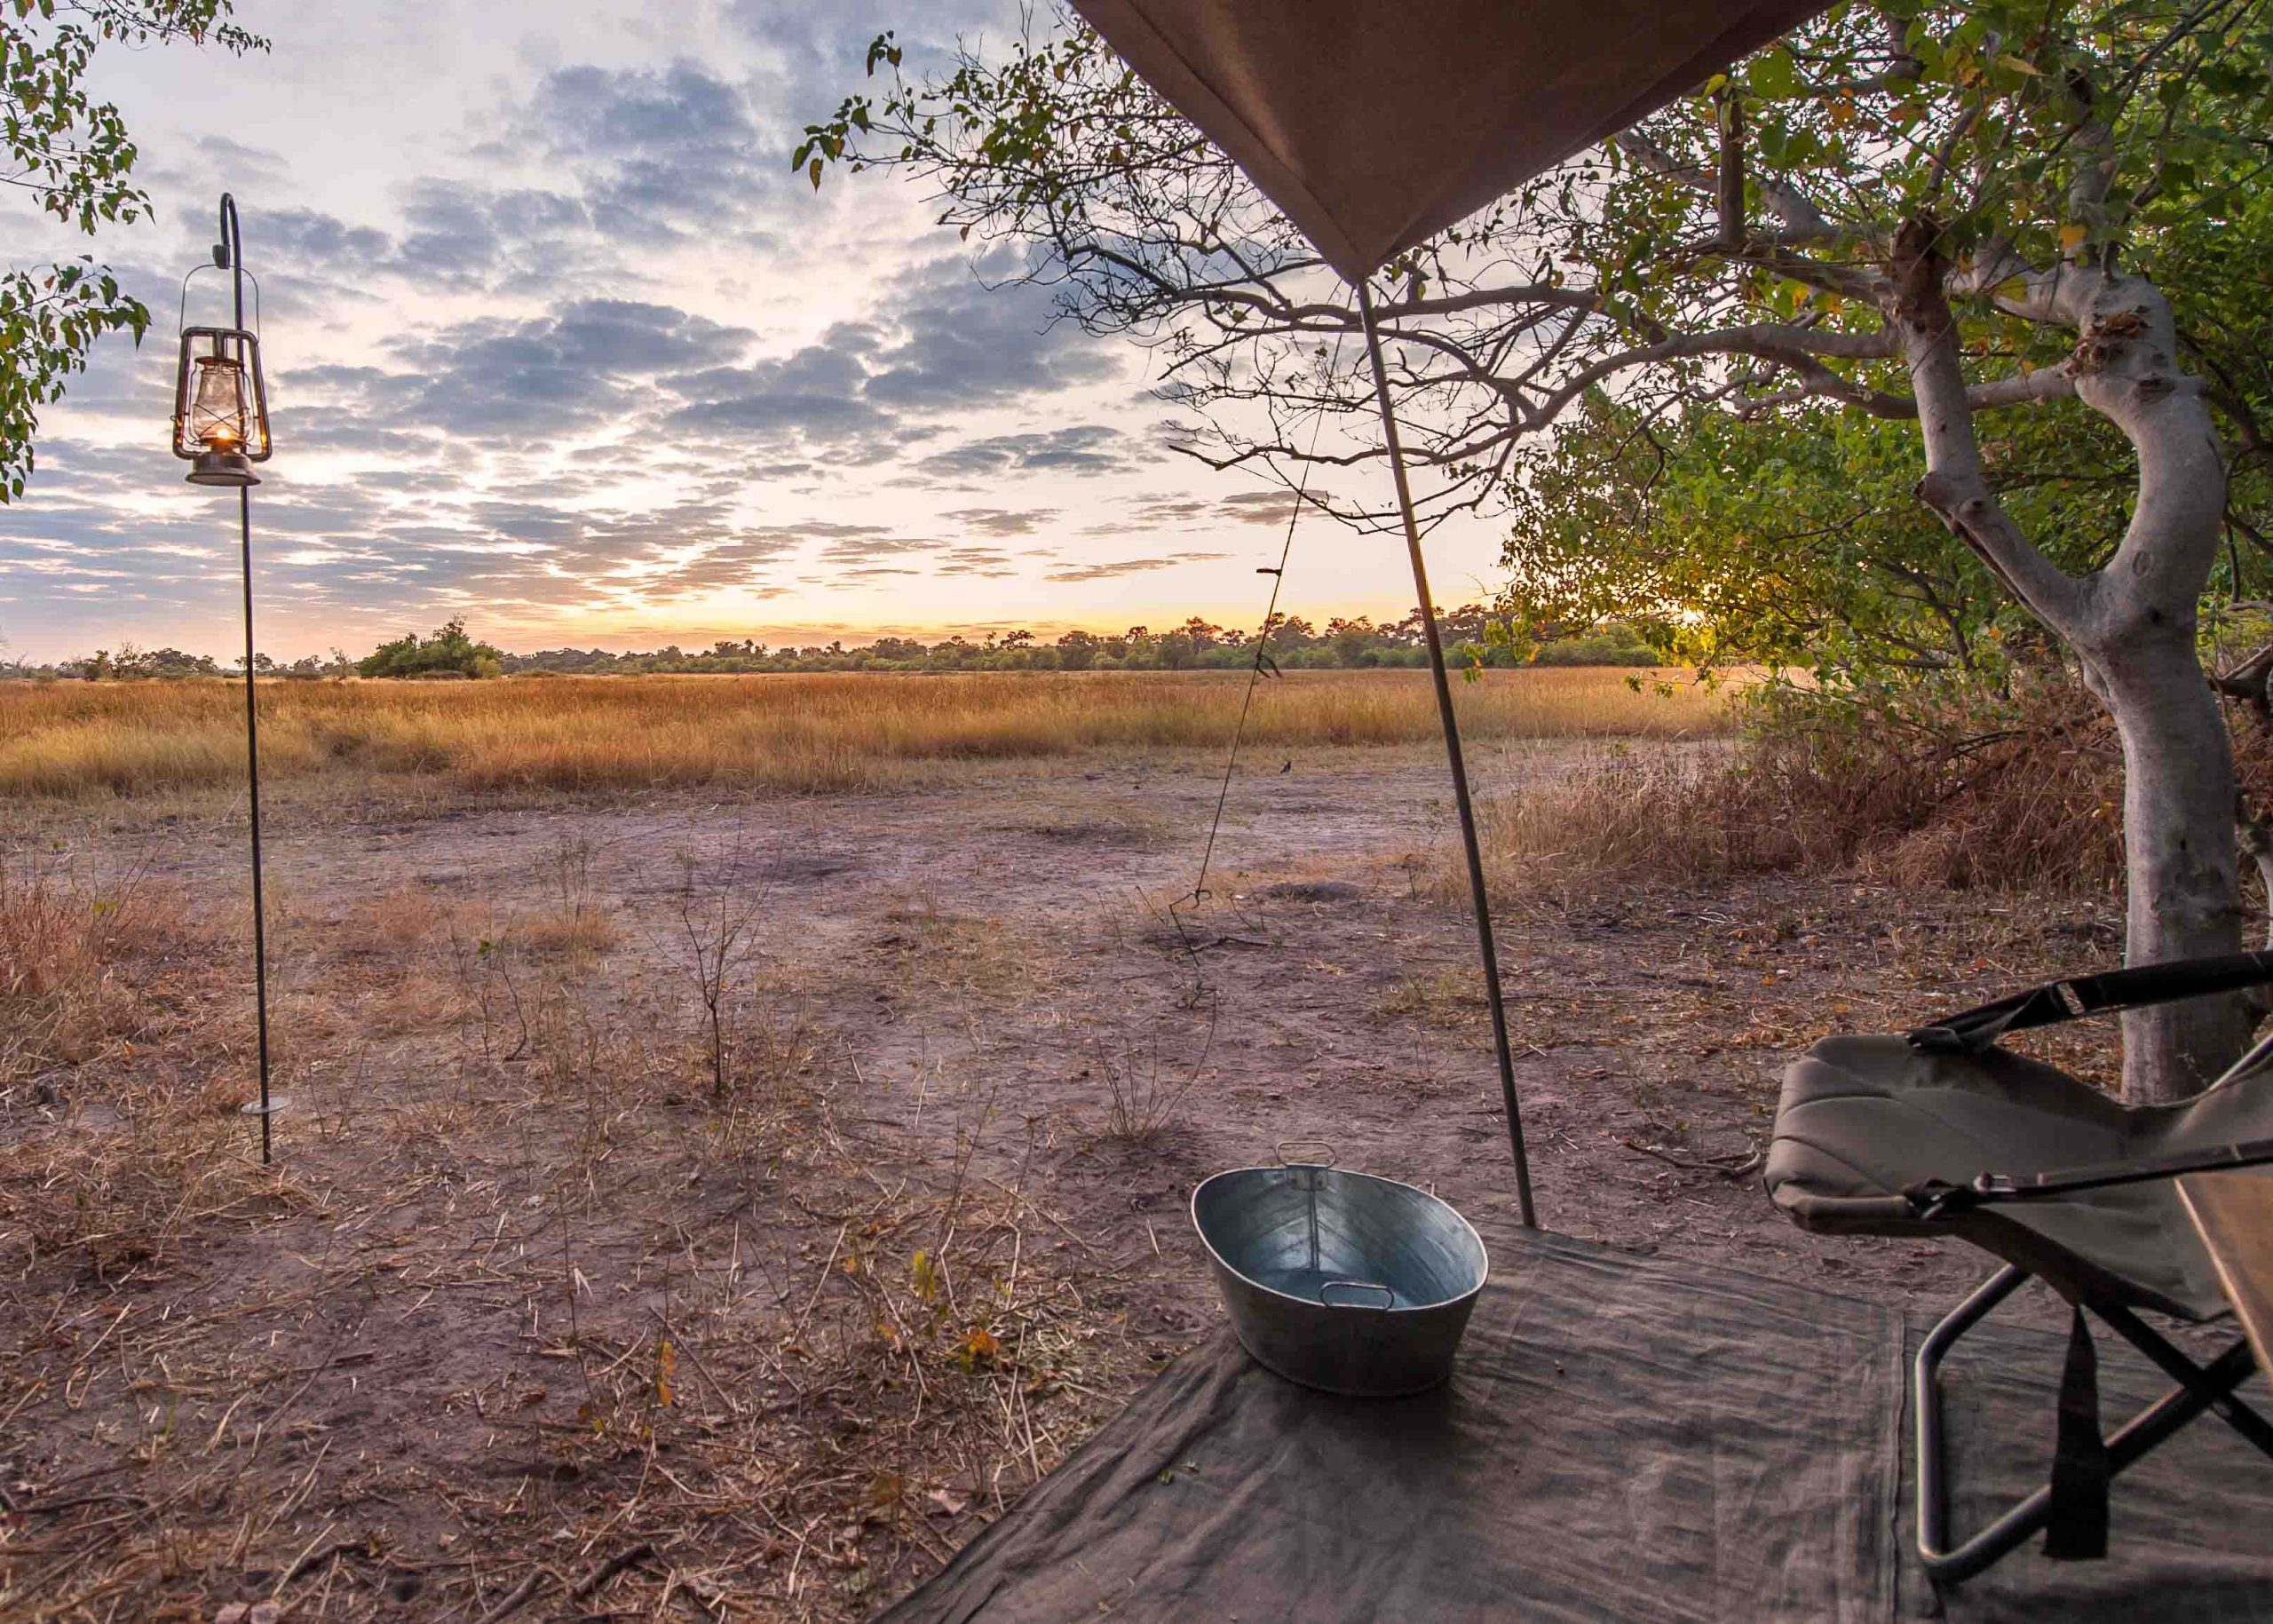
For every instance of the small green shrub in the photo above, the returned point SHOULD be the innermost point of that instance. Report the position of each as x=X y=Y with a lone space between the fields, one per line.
x=449 y=651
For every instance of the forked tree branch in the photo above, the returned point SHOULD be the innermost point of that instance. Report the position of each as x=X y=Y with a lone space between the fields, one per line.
x=1953 y=487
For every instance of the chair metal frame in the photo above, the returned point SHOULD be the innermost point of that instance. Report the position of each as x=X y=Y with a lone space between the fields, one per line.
x=2200 y=1388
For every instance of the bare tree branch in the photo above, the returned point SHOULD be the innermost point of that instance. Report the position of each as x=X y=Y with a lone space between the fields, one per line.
x=2044 y=384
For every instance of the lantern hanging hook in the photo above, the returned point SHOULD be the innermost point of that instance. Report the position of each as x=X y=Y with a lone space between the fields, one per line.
x=228 y=254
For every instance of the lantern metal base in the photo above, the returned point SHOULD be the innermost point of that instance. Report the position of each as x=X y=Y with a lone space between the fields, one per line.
x=225 y=468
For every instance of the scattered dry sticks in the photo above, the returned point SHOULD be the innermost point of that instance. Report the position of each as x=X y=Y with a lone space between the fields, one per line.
x=912 y=1316
x=589 y=1584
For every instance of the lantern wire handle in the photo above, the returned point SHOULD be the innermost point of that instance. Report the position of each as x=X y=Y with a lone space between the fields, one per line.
x=181 y=318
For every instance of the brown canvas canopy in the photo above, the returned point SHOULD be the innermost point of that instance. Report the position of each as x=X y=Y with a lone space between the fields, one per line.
x=1376 y=124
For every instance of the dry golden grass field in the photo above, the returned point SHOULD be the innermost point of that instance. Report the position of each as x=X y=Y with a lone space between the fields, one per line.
x=793 y=733
x=739 y=1129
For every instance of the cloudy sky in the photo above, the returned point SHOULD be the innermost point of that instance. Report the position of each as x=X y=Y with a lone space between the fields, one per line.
x=556 y=341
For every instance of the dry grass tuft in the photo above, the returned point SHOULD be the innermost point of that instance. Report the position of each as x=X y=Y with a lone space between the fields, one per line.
x=964 y=956
x=1449 y=996
x=575 y=924
x=2026 y=801
x=793 y=733
x=405 y=920
x=63 y=937
x=126 y=1194
x=57 y=1004
x=575 y=932
x=120 y=1133
x=1144 y=1090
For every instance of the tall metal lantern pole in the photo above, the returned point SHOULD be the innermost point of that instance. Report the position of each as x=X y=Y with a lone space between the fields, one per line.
x=221 y=430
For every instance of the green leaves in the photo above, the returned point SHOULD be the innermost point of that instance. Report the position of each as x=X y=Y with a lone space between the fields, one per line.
x=1773 y=75
x=1794 y=540
x=72 y=153
x=48 y=320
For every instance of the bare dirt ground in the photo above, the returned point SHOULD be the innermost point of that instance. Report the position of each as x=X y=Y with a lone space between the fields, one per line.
x=570 y=1298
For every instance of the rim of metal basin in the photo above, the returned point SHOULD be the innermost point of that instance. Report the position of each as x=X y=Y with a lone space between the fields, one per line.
x=1483 y=1251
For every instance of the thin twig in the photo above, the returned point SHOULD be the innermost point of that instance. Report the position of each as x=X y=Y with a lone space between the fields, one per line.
x=519 y=1600
x=1734 y=1165
x=607 y=1570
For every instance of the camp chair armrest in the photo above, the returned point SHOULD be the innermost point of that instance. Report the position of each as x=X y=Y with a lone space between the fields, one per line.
x=1973 y=1031
x=1862 y=1211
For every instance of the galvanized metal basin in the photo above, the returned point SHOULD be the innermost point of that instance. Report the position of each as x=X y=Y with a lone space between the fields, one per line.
x=1340 y=1280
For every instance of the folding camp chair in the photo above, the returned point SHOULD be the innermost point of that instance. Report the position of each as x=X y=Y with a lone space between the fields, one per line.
x=1942 y=1133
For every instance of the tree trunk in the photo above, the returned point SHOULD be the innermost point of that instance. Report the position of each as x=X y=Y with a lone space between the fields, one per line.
x=2132 y=623
x=2136 y=634
x=2181 y=867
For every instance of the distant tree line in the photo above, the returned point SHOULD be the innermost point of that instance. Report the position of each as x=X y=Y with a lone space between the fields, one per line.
x=1475 y=635
x=130 y=662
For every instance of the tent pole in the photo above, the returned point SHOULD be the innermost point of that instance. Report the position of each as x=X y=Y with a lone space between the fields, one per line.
x=1477 y=893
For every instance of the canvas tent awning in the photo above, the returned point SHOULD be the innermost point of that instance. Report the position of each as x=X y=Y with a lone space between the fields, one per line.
x=1375 y=125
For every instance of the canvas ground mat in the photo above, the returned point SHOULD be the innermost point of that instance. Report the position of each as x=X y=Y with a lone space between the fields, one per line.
x=1627 y=1439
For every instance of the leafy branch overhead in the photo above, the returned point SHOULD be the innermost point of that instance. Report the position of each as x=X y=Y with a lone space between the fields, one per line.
x=74 y=156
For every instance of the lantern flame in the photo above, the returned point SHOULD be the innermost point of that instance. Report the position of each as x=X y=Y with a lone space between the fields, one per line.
x=218 y=417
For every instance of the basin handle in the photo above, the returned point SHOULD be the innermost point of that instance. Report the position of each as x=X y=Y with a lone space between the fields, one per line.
x=1326 y=1294
x=1286 y=1160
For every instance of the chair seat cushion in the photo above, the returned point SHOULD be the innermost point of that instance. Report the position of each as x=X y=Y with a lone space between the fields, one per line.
x=1864 y=1118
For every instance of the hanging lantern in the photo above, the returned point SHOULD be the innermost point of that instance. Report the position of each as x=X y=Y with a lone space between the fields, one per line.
x=220 y=406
